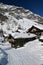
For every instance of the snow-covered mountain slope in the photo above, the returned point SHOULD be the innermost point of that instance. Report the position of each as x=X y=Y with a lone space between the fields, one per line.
x=14 y=18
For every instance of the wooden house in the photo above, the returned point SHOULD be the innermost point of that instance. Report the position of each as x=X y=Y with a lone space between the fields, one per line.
x=19 y=39
x=36 y=30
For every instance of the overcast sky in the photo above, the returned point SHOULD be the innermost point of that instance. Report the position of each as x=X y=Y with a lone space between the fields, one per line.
x=35 y=6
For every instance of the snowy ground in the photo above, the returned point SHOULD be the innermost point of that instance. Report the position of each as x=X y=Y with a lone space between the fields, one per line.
x=30 y=54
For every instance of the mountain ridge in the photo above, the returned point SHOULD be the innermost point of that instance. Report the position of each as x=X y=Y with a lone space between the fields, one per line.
x=20 y=12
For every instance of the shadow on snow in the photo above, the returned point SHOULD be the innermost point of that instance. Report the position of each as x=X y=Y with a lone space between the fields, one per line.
x=4 y=59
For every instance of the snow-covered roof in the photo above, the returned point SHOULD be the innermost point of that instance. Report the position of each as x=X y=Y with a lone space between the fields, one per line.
x=39 y=26
x=22 y=35
x=6 y=35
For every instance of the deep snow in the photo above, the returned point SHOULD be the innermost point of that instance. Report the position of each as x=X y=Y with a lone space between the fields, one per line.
x=30 y=54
